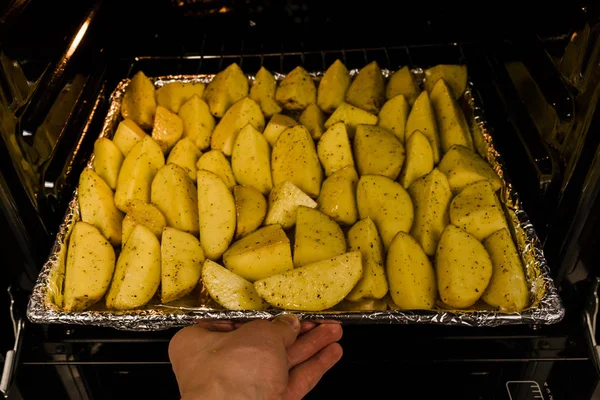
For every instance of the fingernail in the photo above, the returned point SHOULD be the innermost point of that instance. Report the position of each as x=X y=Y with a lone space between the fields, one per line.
x=291 y=320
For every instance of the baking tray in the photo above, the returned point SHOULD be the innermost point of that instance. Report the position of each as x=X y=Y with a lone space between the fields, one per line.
x=545 y=304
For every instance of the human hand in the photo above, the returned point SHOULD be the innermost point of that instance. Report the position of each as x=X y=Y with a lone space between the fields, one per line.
x=281 y=359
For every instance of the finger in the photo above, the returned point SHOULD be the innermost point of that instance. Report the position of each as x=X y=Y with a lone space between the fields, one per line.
x=304 y=377
x=308 y=344
x=306 y=326
x=288 y=327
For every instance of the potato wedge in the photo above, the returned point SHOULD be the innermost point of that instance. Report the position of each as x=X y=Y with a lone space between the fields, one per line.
x=402 y=82
x=198 y=122
x=263 y=92
x=89 y=269
x=216 y=211
x=147 y=214
x=464 y=167
x=387 y=203
x=139 y=101
x=422 y=119
x=362 y=305
x=174 y=94
x=167 y=130
x=284 y=200
x=334 y=149
x=351 y=116
x=262 y=253
x=451 y=122
x=127 y=135
x=313 y=287
x=227 y=87
x=333 y=87
x=276 y=126
x=363 y=237
x=377 y=152
x=216 y=162
x=174 y=194
x=317 y=237
x=251 y=160
x=431 y=196
x=313 y=119
x=454 y=75
x=338 y=196
x=107 y=161
x=367 y=90
x=297 y=90
x=186 y=155
x=463 y=268
x=477 y=210
x=230 y=290
x=137 y=274
x=393 y=116
x=294 y=158
x=419 y=159
x=97 y=206
x=137 y=172
x=181 y=263
x=250 y=209
x=242 y=113
x=410 y=274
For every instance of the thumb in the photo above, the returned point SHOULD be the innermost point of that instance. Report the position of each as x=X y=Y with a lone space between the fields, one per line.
x=288 y=327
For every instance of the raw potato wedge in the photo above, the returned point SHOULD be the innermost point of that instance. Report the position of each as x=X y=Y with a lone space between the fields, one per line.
x=284 y=200
x=139 y=101
x=431 y=196
x=226 y=88
x=454 y=75
x=410 y=274
x=181 y=264
x=250 y=209
x=313 y=287
x=174 y=94
x=422 y=119
x=107 y=161
x=216 y=211
x=402 y=82
x=198 y=122
x=174 y=194
x=351 y=116
x=333 y=87
x=317 y=237
x=334 y=149
x=419 y=159
x=297 y=90
x=276 y=126
x=377 y=152
x=137 y=274
x=508 y=286
x=386 y=203
x=464 y=167
x=137 y=172
x=263 y=92
x=393 y=116
x=251 y=160
x=362 y=305
x=338 y=196
x=242 y=113
x=89 y=269
x=145 y=214
x=313 y=119
x=216 y=162
x=230 y=290
x=451 y=122
x=477 y=210
x=363 y=237
x=186 y=155
x=127 y=135
x=367 y=90
x=97 y=206
x=167 y=130
x=294 y=158
x=463 y=268
x=261 y=254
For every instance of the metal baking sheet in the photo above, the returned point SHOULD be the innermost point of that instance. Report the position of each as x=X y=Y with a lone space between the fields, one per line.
x=545 y=304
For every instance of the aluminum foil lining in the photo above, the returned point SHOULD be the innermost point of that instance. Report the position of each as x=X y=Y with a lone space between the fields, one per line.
x=545 y=304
